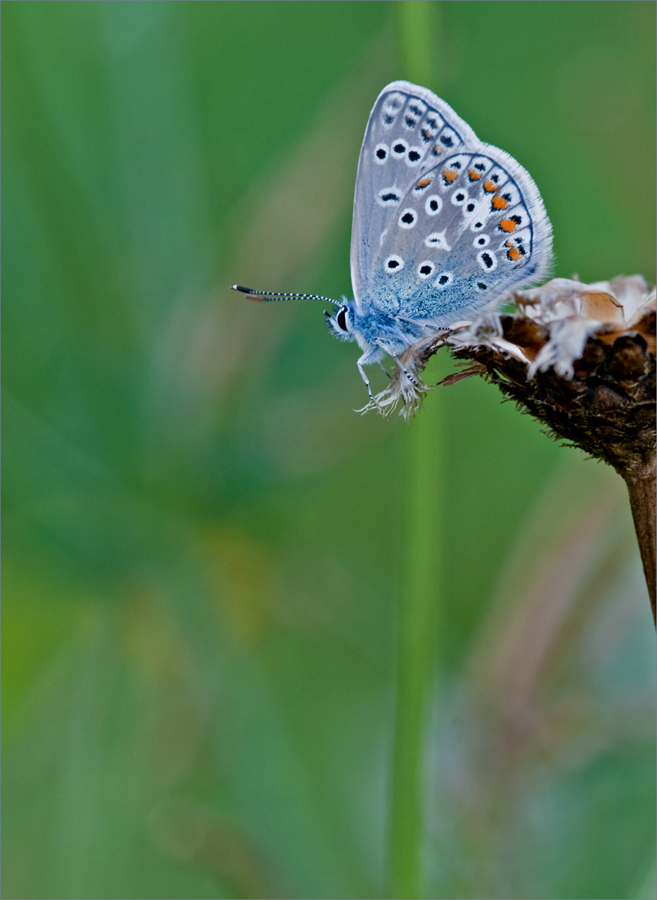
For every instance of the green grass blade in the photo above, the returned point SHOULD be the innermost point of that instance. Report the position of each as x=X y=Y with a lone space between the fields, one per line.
x=416 y=656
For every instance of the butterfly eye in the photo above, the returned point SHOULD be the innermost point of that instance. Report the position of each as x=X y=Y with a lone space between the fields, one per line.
x=341 y=318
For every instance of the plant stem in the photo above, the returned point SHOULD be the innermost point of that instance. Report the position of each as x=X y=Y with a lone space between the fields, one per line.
x=416 y=656
x=416 y=39
x=641 y=486
x=416 y=620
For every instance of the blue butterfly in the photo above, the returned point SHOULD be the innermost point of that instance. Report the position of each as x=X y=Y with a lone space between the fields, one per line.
x=443 y=224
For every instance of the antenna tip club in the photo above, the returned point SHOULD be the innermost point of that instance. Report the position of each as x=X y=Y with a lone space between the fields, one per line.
x=249 y=293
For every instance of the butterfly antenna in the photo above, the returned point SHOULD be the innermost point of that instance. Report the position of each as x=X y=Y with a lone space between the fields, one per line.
x=265 y=296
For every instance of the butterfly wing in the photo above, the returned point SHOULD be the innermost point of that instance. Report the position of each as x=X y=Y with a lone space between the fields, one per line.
x=443 y=223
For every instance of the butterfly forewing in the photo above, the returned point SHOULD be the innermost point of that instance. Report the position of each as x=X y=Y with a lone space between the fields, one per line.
x=443 y=223
x=407 y=132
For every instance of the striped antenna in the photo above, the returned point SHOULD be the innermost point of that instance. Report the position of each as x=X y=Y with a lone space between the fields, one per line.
x=265 y=296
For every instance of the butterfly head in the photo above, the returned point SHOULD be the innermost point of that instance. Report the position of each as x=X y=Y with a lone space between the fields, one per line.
x=341 y=322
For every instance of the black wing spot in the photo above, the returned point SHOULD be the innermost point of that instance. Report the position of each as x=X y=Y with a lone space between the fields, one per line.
x=487 y=260
x=447 y=141
x=399 y=148
x=413 y=155
x=478 y=224
x=407 y=218
x=381 y=153
x=482 y=286
x=470 y=207
x=388 y=119
x=426 y=270
x=388 y=197
x=443 y=279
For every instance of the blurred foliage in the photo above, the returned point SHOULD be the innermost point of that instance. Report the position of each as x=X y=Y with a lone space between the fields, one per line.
x=202 y=541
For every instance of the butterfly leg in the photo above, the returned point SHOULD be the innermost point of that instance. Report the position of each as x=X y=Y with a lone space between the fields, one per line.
x=370 y=356
x=406 y=372
x=365 y=379
x=403 y=368
x=384 y=370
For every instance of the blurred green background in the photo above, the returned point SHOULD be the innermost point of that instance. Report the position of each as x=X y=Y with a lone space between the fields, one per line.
x=204 y=544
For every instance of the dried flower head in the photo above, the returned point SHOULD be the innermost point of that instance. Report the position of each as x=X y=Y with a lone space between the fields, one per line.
x=578 y=357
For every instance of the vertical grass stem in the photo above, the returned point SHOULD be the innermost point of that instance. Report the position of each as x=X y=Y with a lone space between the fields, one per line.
x=416 y=648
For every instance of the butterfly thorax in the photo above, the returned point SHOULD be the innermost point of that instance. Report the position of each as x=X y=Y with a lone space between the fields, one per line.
x=376 y=331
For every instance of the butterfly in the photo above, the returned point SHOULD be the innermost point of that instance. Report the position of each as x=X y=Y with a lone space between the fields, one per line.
x=443 y=225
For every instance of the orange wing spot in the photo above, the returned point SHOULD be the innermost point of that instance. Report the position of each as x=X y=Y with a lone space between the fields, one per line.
x=437 y=150
x=507 y=225
x=474 y=175
x=515 y=254
x=450 y=176
x=423 y=182
x=499 y=202
x=490 y=186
